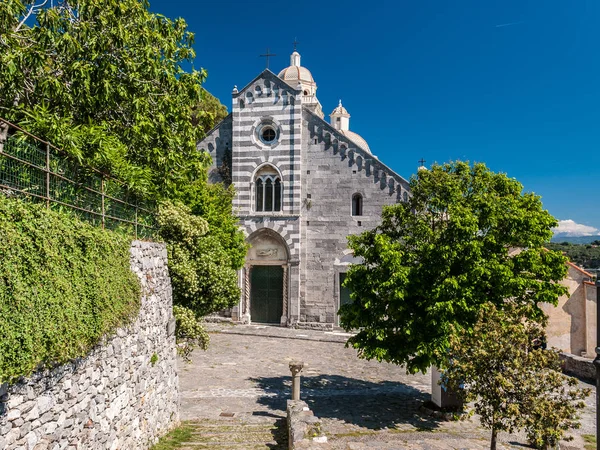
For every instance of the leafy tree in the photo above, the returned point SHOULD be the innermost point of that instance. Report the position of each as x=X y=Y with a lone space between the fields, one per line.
x=105 y=80
x=511 y=383
x=201 y=269
x=209 y=111
x=436 y=259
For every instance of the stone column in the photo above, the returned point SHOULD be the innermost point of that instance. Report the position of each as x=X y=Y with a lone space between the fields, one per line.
x=284 y=314
x=246 y=314
x=293 y=292
x=296 y=367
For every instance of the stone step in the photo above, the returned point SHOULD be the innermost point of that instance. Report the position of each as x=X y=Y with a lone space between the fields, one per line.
x=237 y=433
x=224 y=445
x=202 y=425
x=233 y=436
x=231 y=429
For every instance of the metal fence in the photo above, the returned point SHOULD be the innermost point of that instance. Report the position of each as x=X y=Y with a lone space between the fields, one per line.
x=34 y=168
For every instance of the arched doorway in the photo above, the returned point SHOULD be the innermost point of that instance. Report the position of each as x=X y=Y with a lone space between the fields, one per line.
x=266 y=278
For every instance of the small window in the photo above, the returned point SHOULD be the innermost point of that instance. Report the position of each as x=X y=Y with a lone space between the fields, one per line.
x=305 y=92
x=268 y=135
x=338 y=119
x=357 y=205
x=405 y=196
x=307 y=195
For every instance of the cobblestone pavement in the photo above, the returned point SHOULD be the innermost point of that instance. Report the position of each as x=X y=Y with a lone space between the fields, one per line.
x=362 y=404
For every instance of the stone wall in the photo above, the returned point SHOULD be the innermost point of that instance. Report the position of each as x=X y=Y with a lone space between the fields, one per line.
x=304 y=428
x=123 y=395
x=572 y=323
x=577 y=366
x=336 y=169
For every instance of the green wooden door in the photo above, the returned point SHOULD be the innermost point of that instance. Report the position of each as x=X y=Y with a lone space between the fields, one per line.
x=266 y=294
x=344 y=291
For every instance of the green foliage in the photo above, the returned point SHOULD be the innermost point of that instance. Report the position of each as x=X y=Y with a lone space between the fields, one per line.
x=209 y=111
x=436 y=259
x=512 y=384
x=104 y=80
x=202 y=271
x=190 y=332
x=153 y=359
x=586 y=256
x=175 y=438
x=590 y=440
x=63 y=285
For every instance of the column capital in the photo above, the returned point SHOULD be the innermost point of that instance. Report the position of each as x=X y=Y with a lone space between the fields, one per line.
x=296 y=367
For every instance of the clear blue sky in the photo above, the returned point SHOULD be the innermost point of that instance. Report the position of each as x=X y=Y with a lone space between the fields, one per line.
x=512 y=83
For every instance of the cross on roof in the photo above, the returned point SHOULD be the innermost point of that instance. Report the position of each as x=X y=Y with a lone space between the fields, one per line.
x=295 y=43
x=422 y=162
x=268 y=55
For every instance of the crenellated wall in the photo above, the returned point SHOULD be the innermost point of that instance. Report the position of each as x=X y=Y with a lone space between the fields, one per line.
x=123 y=395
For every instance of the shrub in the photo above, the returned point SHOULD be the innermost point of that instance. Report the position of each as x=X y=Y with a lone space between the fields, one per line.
x=202 y=272
x=63 y=285
x=190 y=332
x=512 y=383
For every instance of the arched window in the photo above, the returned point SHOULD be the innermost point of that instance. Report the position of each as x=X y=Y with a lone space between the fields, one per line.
x=357 y=205
x=268 y=190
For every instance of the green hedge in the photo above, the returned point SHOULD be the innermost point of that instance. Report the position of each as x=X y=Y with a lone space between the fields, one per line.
x=63 y=285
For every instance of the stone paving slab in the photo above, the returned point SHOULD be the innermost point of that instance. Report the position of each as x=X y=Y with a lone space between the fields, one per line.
x=361 y=404
x=337 y=335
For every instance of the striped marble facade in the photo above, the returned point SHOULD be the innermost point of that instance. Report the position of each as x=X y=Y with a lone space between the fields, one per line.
x=320 y=169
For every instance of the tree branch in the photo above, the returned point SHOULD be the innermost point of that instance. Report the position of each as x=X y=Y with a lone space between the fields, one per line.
x=33 y=8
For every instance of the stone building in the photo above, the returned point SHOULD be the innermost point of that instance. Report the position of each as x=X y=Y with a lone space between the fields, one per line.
x=303 y=185
x=572 y=323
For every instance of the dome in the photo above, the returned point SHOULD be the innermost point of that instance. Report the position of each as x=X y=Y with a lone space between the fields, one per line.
x=356 y=139
x=295 y=72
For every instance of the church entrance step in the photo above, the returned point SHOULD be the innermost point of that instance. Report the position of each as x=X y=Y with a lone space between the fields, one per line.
x=233 y=433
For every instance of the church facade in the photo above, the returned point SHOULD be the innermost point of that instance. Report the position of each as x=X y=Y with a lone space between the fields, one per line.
x=303 y=185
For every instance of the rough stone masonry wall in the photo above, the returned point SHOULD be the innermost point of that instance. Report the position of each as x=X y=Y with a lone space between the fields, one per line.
x=114 y=398
x=304 y=428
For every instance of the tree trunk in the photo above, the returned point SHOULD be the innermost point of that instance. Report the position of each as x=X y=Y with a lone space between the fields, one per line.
x=494 y=438
x=3 y=135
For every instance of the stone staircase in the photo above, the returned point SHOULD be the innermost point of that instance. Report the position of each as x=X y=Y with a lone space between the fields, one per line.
x=247 y=433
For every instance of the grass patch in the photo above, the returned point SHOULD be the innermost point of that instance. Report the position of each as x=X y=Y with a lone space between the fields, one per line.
x=353 y=434
x=173 y=440
x=590 y=441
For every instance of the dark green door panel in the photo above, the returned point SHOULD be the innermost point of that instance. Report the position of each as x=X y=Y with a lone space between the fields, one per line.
x=344 y=291
x=266 y=294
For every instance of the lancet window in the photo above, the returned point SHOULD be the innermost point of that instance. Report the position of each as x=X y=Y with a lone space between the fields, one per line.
x=357 y=205
x=268 y=190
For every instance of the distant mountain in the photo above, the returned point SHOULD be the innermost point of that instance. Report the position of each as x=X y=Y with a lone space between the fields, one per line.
x=575 y=239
